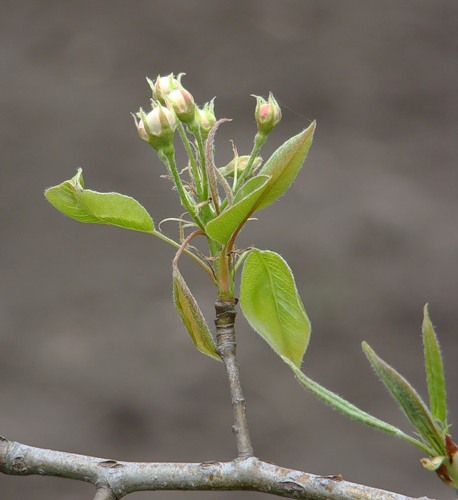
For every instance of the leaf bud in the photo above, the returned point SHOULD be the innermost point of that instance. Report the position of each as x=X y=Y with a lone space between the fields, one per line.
x=267 y=113
x=238 y=164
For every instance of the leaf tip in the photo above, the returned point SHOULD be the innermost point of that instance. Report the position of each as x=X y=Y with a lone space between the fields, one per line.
x=426 y=318
x=366 y=347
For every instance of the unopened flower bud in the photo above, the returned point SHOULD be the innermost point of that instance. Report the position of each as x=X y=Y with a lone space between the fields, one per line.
x=163 y=85
x=267 y=114
x=157 y=127
x=206 y=117
x=183 y=104
x=143 y=134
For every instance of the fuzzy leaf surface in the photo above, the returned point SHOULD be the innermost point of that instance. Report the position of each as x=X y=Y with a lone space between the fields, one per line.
x=408 y=400
x=222 y=227
x=284 y=165
x=271 y=303
x=348 y=409
x=92 y=207
x=434 y=370
x=192 y=316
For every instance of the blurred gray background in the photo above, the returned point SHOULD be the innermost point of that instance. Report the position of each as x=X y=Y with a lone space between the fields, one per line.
x=94 y=359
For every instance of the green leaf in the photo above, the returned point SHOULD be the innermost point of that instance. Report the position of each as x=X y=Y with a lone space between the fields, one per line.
x=284 y=165
x=92 y=207
x=434 y=371
x=348 y=409
x=222 y=227
x=259 y=192
x=192 y=316
x=271 y=303
x=408 y=400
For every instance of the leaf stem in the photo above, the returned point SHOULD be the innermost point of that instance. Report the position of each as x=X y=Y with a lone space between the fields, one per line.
x=184 y=244
x=193 y=256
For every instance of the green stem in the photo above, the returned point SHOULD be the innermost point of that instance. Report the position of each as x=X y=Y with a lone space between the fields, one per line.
x=193 y=256
x=259 y=140
x=225 y=275
x=207 y=210
x=168 y=157
x=241 y=258
x=195 y=171
x=200 y=144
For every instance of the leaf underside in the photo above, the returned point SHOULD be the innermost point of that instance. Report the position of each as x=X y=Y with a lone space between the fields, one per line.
x=192 y=316
x=92 y=207
x=408 y=400
x=349 y=410
x=434 y=371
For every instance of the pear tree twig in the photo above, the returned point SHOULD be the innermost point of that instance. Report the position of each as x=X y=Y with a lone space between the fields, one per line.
x=115 y=479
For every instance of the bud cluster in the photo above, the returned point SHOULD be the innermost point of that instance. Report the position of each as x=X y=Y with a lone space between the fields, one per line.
x=174 y=108
x=171 y=103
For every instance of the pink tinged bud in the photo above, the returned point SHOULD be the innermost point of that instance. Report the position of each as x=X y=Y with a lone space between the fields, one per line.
x=157 y=127
x=267 y=114
x=142 y=132
x=138 y=119
x=160 y=122
x=183 y=104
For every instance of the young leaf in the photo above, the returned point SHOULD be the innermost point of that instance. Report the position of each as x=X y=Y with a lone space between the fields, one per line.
x=222 y=227
x=434 y=370
x=92 y=207
x=284 y=165
x=272 y=305
x=348 y=409
x=192 y=316
x=408 y=400
x=259 y=192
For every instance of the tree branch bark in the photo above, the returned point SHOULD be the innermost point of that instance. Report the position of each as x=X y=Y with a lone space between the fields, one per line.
x=104 y=493
x=115 y=480
x=226 y=348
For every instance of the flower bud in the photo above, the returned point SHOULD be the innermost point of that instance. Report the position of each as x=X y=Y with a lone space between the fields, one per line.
x=206 y=117
x=183 y=104
x=157 y=127
x=267 y=114
x=163 y=85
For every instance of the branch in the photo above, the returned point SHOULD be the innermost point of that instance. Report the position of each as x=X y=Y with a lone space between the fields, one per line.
x=114 y=479
x=104 y=493
x=226 y=348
